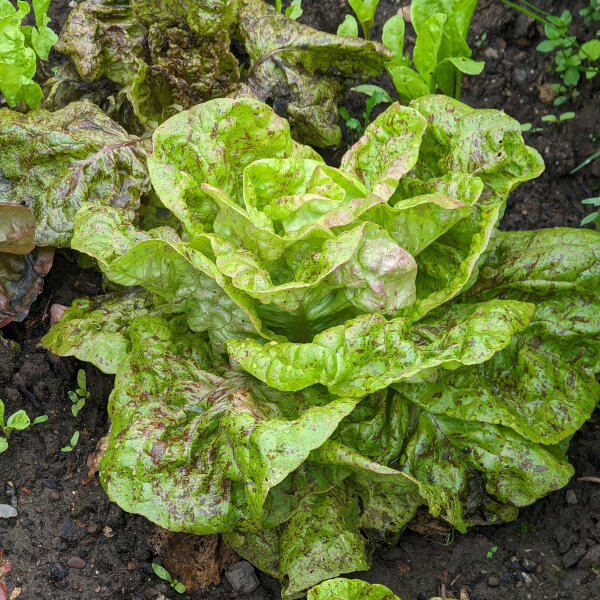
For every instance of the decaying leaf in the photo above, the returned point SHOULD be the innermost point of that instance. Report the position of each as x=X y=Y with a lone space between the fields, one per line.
x=196 y=560
x=21 y=281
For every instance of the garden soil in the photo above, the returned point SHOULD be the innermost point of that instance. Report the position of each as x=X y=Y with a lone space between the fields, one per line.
x=69 y=542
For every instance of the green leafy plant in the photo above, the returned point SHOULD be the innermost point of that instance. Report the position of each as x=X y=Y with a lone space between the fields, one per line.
x=492 y=551
x=293 y=11
x=72 y=443
x=441 y=54
x=17 y=421
x=571 y=59
x=164 y=574
x=365 y=12
x=348 y=27
x=20 y=45
x=566 y=116
x=529 y=127
x=314 y=353
x=591 y=13
x=80 y=395
x=374 y=95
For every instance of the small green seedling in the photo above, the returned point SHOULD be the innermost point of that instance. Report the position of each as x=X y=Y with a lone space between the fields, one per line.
x=530 y=128
x=18 y=421
x=492 y=551
x=72 y=443
x=374 y=95
x=560 y=119
x=293 y=11
x=164 y=574
x=80 y=395
x=481 y=39
x=594 y=216
x=348 y=26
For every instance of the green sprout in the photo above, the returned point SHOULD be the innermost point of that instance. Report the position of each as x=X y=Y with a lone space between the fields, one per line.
x=80 y=395
x=19 y=421
x=72 y=443
x=492 y=551
x=164 y=574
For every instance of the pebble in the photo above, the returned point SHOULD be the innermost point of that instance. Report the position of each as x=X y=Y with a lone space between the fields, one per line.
x=529 y=566
x=591 y=558
x=491 y=52
x=51 y=483
x=7 y=511
x=572 y=556
x=493 y=581
x=53 y=496
x=571 y=497
x=242 y=577
x=76 y=563
x=57 y=543
x=71 y=532
x=520 y=75
x=58 y=571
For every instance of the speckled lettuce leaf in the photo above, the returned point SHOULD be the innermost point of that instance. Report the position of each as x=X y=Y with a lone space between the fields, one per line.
x=350 y=589
x=97 y=329
x=369 y=353
x=204 y=146
x=216 y=443
x=483 y=142
x=53 y=162
x=311 y=66
x=21 y=281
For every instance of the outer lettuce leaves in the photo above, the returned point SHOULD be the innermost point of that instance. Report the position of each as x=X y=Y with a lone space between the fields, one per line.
x=222 y=442
x=171 y=56
x=52 y=162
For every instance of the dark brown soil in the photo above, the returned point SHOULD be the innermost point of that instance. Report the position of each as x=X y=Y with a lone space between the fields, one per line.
x=63 y=514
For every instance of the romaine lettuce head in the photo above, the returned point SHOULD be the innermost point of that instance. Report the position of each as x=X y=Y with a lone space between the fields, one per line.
x=317 y=352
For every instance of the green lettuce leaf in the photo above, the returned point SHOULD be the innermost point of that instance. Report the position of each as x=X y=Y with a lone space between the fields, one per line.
x=53 y=162
x=350 y=589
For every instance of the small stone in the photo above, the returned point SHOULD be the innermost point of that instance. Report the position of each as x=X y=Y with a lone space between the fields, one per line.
x=493 y=581
x=58 y=571
x=491 y=52
x=53 y=496
x=70 y=532
x=546 y=93
x=131 y=566
x=7 y=511
x=242 y=577
x=520 y=75
x=76 y=563
x=57 y=543
x=93 y=528
x=591 y=558
x=51 y=483
x=571 y=497
x=528 y=566
x=572 y=556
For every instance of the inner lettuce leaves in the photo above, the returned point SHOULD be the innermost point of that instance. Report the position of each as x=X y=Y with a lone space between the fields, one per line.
x=314 y=353
x=171 y=56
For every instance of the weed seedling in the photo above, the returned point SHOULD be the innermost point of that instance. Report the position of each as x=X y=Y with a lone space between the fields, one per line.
x=558 y=119
x=530 y=128
x=594 y=216
x=164 y=574
x=492 y=551
x=80 y=395
x=72 y=443
x=18 y=421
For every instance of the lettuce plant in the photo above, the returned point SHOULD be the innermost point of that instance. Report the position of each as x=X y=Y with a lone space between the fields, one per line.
x=314 y=352
x=20 y=46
